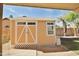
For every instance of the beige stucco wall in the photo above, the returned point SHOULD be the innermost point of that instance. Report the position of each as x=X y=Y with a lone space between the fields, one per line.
x=42 y=37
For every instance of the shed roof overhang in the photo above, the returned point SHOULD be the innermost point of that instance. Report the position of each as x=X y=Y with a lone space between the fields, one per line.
x=65 y=6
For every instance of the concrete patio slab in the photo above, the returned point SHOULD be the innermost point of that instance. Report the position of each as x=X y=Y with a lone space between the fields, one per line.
x=8 y=51
x=19 y=52
x=67 y=53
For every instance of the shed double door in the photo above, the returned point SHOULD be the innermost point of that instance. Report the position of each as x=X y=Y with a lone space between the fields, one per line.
x=26 y=32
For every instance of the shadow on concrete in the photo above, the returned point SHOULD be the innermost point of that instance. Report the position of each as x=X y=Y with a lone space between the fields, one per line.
x=71 y=43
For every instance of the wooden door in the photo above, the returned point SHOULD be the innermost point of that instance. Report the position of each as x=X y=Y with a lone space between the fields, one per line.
x=31 y=32
x=21 y=32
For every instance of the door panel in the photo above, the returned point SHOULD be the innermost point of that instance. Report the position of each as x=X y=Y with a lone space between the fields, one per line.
x=21 y=34
x=31 y=34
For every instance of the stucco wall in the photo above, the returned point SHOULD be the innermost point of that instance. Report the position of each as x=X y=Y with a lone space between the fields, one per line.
x=42 y=37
